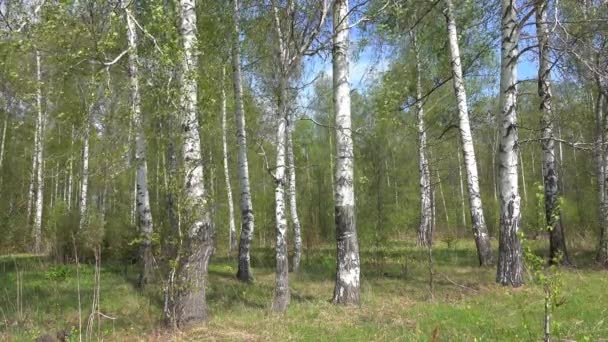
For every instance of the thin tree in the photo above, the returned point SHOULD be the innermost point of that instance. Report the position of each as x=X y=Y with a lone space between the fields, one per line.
x=247 y=223
x=425 y=228
x=510 y=259
x=293 y=206
x=232 y=244
x=39 y=150
x=480 y=231
x=558 y=251
x=144 y=212
x=348 y=270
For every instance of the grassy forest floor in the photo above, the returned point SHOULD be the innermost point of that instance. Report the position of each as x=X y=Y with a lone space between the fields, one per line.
x=37 y=297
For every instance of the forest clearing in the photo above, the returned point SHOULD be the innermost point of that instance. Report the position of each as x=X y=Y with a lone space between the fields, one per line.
x=316 y=170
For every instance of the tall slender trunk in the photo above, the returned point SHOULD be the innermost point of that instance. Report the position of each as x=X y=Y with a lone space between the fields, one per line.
x=478 y=222
x=32 y=184
x=84 y=180
x=247 y=226
x=190 y=303
x=425 y=229
x=2 y=143
x=282 y=294
x=599 y=155
x=558 y=251
x=232 y=244
x=70 y=171
x=445 y=207
x=144 y=212
x=37 y=226
x=510 y=259
x=348 y=270
x=602 y=251
x=293 y=206
x=463 y=206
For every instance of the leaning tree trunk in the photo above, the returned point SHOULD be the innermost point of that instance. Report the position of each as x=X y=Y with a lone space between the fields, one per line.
x=247 y=226
x=232 y=244
x=558 y=252
x=348 y=270
x=190 y=302
x=510 y=259
x=144 y=212
x=293 y=206
x=37 y=226
x=480 y=231
x=425 y=229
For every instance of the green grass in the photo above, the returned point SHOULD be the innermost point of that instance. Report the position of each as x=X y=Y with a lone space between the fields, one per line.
x=396 y=303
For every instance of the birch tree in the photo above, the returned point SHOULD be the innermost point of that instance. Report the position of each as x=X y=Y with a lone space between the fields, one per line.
x=557 y=248
x=247 y=218
x=348 y=270
x=480 y=231
x=293 y=206
x=144 y=211
x=232 y=244
x=198 y=241
x=39 y=151
x=425 y=229
x=510 y=259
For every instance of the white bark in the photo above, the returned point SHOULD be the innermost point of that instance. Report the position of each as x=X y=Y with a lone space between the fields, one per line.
x=281 y=293
x=425 y=229
x=191 y=304
x=247 y=225
x=510 y=259
x=70 y=171
x=84 y=180
x=144 y=211
x=347 y=289
x=232 y=245
x=2 y=142
x=37 y=226
x=293 y=206
x=478 y=223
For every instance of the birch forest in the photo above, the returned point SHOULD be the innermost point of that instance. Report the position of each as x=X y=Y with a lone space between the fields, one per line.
x=303 y=170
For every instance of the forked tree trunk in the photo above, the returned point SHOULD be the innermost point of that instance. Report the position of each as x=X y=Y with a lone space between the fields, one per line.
x=144 y=211
x=247 y=226
x=190 y=301
x=480 y=231
x=293 y=206
x=558 y=252
x=232 y=244
x=348 y=270
x=510 y=258
x=425 y=229
x=37 y=226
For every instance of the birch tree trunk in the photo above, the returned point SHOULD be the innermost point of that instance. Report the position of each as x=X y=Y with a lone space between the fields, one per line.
x=37 y=226
x=144 y=212
x=190 y=303
x=85 y=174
x=232 y=244
x=558 y=252
x=2 y=142
x=510 y=259
x=281 y=292
x=293 y=207
x=247 y=226
x=348 y=270
x=480 y=231
x=425 y=229
x=602 y=252
x=70 y=171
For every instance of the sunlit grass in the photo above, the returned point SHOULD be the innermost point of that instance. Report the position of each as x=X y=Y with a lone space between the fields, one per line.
x=396 y=301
